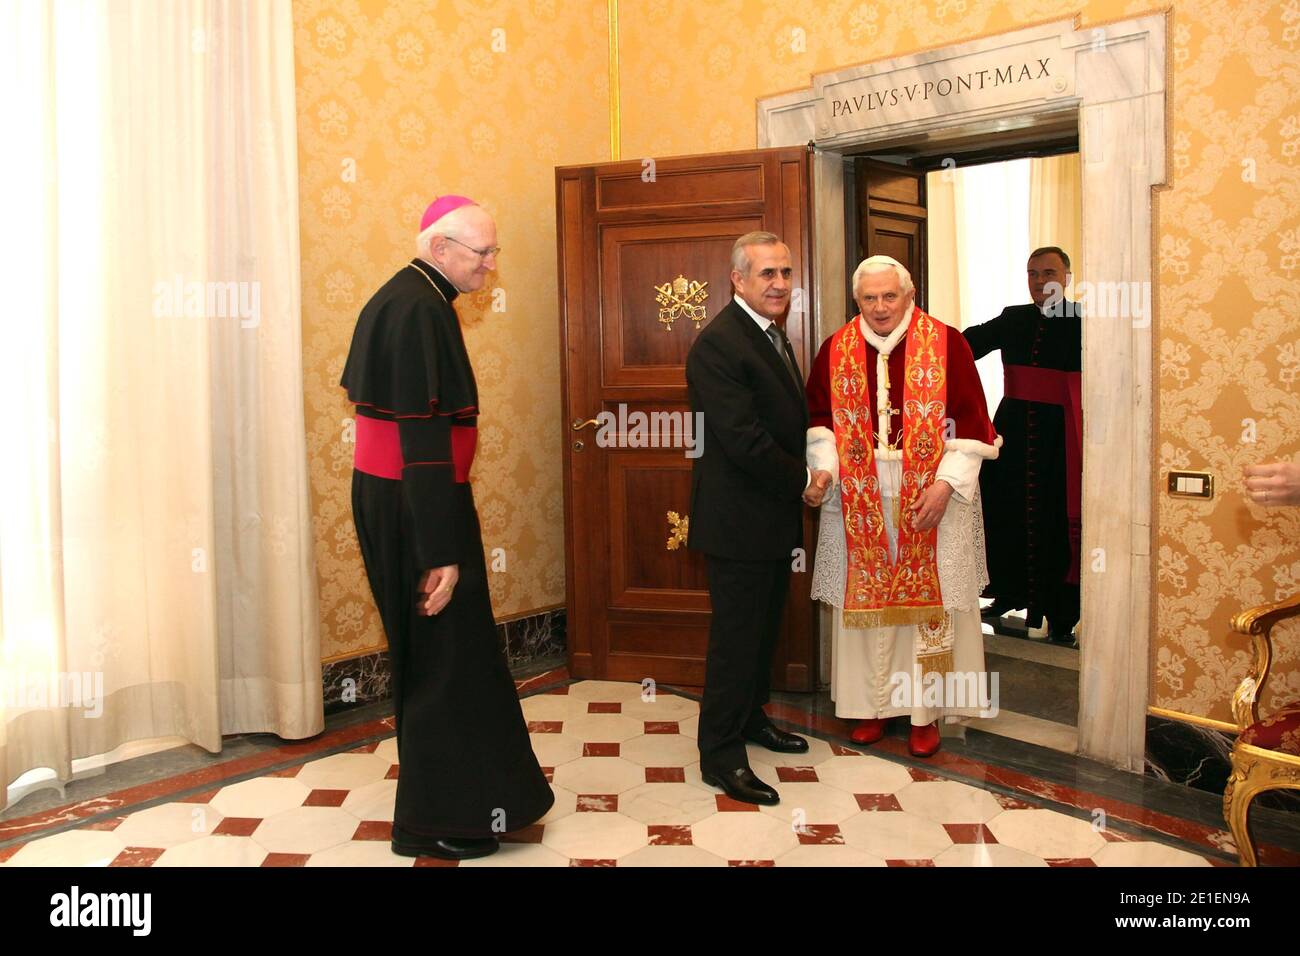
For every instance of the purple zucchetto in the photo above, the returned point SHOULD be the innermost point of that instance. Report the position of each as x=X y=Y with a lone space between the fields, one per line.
x=440 y=207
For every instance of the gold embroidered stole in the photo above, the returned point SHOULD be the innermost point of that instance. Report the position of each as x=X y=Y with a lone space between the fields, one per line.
x=878 y=592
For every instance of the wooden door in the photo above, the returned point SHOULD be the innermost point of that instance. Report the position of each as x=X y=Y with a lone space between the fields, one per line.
x=891 y=217
x=635 y=241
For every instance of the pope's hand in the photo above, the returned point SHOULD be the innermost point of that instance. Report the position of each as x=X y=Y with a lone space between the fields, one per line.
x=1275 y=484
x=928 y=509
x=435 y=589
x=817 y=488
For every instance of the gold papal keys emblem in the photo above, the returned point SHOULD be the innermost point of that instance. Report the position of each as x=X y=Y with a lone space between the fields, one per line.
x=681 y=299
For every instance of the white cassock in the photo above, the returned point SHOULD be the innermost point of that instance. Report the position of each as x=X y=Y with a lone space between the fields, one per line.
x=874 y=672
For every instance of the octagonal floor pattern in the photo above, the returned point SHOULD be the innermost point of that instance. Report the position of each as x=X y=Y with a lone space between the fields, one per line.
x=628 y=793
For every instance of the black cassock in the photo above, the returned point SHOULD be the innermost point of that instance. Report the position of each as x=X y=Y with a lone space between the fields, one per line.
x=467 y=765
x=1031 y=490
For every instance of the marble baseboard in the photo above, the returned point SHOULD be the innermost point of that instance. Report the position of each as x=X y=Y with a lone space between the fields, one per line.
x=1199 y=757
x=368 y=679
x=530 y=638
x=356 y=680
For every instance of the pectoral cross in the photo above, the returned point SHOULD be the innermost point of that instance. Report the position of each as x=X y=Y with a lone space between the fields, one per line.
x=887 y=428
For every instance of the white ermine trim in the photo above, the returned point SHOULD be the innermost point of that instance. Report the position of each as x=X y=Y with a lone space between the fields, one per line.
x=973 y=447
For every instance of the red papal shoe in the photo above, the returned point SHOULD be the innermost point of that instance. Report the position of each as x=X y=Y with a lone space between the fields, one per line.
x=924 y=741
x=869 y=731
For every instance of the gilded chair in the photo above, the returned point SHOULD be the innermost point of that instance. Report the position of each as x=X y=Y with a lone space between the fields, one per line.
x=1266 y=755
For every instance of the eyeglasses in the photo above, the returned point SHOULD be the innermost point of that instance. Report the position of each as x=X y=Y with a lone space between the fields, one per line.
x=482 y=253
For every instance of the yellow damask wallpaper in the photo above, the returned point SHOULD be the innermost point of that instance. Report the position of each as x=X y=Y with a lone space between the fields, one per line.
x=399 y=102
x=423 y=102
x=1228 y=329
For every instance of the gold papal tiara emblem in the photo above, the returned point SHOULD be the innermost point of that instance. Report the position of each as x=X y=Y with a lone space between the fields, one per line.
x=681 y=299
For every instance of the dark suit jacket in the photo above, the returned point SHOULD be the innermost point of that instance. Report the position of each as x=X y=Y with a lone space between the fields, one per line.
x=747 y=483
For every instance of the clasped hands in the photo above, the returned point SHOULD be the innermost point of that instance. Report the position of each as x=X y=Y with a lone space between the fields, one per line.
x=435 y=589
x=817 y=488
x=926 y=511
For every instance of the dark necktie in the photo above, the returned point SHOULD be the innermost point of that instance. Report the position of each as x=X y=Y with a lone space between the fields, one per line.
x=778 y=342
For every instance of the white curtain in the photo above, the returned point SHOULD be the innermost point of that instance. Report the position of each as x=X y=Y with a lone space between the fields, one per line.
x=993 y=215
x=156 y=568
x=943 y=264
x=1056 y=207
x=983 y=221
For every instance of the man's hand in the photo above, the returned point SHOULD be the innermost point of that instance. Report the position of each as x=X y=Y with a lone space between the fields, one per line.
x=927 y=510
x=435 y=589
x=817 y=488
x=1275 y=484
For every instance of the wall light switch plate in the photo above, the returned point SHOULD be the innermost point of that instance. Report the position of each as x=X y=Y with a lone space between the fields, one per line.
x=1190 y=484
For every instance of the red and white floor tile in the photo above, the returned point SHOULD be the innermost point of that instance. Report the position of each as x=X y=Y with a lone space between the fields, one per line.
x=628 y=793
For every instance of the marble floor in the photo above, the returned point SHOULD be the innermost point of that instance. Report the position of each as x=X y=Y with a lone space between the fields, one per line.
x=628 y=793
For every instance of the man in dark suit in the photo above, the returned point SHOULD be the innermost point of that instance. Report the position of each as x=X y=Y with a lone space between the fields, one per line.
x=746 y=513
x=1031 y=492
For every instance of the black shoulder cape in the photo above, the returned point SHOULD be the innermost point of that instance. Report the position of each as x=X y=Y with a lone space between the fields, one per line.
x=408 y=356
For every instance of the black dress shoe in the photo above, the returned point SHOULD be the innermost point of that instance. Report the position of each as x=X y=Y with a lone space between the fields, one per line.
x=741 y=784
x=1064 y=638
x=445 y=848
x=996 y=609
x=778 y=740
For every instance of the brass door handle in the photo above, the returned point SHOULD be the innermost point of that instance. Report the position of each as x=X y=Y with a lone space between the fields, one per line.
x=579 y=424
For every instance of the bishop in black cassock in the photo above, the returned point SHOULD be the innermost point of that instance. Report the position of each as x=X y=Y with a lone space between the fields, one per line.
x=467 y=768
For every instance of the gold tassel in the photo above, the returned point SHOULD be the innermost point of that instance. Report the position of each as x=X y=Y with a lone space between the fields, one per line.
x=888 y=617
x=936 y=663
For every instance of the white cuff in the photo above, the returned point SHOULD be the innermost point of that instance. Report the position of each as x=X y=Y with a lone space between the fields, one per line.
x=960 y=465
x=821 y=451
x=974 y=446
x=822 y=455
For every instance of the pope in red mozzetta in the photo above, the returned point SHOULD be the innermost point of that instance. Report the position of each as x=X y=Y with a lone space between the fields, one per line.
x=467 y=768
x=897 y=414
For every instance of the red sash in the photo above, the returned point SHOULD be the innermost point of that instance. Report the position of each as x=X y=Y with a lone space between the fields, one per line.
x=1052 y=386
x=879 y=593
x=378 y=449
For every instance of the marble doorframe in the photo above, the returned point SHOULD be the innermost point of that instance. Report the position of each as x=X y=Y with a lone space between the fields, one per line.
x=1119 y=94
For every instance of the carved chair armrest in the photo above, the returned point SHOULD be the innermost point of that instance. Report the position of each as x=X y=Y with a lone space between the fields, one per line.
x=1258 y=623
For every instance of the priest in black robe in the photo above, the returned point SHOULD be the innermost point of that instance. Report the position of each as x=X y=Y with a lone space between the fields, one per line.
x=467 y=769
x=1032 y=491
